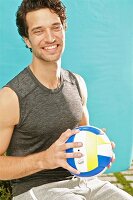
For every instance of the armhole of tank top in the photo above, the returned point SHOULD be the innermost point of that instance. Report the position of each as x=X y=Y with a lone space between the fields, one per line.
x=19 y=102
x=77 y=84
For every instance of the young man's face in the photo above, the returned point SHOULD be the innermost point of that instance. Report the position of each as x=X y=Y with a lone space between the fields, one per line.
x=46 y=35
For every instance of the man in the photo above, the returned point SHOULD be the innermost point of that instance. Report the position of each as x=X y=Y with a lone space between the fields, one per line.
x=39 y=110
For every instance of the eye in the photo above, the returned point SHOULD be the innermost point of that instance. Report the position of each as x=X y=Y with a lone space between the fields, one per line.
x=38 y=32
x=57 y=28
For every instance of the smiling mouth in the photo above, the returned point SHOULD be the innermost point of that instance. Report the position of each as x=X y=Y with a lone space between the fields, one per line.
x=48 y=48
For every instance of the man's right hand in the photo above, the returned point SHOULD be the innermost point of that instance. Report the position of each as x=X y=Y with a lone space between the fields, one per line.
x=56 y=155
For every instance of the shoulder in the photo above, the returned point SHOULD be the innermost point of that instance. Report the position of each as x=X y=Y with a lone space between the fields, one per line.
x=80 y=79
x=83 y=88
x=72 y=76
x=80 y=82
x=9 y=106
x=23 y=83
x=7 y=95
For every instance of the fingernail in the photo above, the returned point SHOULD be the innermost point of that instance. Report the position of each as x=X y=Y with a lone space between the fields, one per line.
x=79 y=154
x=80 y=144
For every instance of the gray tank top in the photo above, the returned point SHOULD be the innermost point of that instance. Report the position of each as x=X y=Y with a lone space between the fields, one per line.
x=44 y=115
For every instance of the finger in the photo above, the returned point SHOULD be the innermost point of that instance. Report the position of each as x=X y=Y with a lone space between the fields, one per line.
x=112 y=160
x=104 y=130
x=68 y=133
x=113 y=157
x=112 y=144
x=71 y=169
x=109 y=166
x=73 y=155
x=72 y=145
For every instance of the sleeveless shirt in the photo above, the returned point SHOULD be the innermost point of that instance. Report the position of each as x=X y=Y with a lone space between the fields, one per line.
x=44 y=115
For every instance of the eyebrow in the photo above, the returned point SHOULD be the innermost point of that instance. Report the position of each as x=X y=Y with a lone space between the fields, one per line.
x=39 y=27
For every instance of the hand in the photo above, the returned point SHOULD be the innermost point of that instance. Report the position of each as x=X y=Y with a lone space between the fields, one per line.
x=113 y=146
x=113 y=156
x=56 y=155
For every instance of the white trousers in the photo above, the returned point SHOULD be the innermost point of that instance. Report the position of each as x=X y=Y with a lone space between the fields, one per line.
x=76 y=189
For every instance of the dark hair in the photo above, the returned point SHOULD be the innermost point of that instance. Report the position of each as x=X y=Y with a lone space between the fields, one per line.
x=32 y=5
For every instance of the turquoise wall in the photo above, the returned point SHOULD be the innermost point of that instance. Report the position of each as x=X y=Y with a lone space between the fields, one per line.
x=99 y=46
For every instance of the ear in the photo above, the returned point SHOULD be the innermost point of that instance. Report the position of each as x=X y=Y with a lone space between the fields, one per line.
x=27 y=41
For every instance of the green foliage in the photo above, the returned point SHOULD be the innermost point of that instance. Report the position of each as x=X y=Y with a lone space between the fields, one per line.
x=5 y=190
x=126 y=184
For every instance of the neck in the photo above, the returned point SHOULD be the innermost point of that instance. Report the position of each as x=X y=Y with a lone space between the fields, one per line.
x=48 y=73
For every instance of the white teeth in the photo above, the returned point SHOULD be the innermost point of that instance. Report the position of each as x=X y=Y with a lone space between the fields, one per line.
x=51 y=47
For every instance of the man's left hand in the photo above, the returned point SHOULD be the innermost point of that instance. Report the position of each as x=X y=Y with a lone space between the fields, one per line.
x=113 y=146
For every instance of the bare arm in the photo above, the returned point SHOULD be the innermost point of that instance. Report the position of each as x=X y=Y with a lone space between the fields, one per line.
x=85 y=116
x=16 y=167
x=12 y=167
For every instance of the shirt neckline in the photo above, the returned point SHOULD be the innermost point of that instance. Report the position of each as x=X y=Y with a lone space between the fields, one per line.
x=43 y=86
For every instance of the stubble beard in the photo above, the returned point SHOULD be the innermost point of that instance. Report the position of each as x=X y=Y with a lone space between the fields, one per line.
x=49 y=58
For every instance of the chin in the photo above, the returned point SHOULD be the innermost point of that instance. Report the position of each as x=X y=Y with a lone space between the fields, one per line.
x=52 y=58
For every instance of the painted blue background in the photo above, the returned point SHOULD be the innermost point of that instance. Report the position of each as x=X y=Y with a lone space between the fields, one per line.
x=99 y=46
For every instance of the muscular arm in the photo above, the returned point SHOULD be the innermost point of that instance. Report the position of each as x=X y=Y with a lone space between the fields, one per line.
x=16 y=167
x=13 y=167
x=85 y=116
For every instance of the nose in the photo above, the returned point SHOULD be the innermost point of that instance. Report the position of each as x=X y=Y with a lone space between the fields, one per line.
x=49 y=36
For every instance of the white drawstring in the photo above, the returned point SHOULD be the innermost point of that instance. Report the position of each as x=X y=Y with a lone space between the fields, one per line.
x=84 y=181
x=33 y=195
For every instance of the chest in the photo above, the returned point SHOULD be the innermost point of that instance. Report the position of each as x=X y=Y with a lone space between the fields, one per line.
x=48 y=113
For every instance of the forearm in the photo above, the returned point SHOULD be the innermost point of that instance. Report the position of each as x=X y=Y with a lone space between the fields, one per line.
x=18 y=167
x=55 y=156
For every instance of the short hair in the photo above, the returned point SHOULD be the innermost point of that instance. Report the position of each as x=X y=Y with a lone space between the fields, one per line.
x=32 y=5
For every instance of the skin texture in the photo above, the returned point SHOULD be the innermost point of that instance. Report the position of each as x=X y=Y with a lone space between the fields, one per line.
x=46 y=38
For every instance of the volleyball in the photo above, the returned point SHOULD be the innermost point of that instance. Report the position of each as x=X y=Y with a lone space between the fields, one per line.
x=97 y=151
